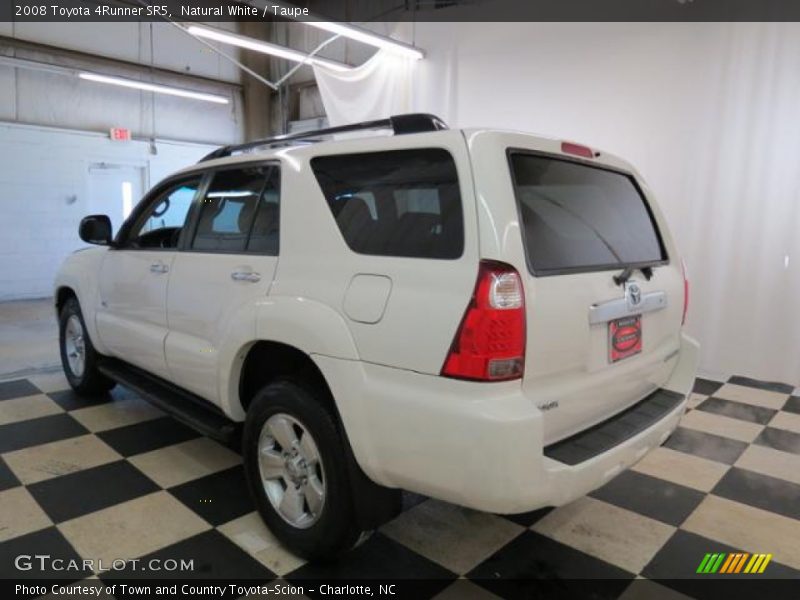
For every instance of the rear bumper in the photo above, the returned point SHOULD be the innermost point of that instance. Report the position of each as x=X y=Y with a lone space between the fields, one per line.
x=478 y=445
x=617 y=430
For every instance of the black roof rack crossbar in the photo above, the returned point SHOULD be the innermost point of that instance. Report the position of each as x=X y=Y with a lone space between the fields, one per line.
x=399 y=124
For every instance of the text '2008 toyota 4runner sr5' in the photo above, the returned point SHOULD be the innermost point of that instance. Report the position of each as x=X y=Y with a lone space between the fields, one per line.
x=485 y=317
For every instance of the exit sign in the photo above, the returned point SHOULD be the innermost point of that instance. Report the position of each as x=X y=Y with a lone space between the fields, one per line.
x=120 y=134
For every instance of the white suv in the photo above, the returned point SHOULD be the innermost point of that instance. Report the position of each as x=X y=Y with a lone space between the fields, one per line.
x=489 y=318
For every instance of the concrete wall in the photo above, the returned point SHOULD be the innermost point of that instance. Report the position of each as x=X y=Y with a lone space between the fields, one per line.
x=171 y=49
x=57 y=100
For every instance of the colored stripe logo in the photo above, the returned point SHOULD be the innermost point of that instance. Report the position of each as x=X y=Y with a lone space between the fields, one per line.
x=734 y=562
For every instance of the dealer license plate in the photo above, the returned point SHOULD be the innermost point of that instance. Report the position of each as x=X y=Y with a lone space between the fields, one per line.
x=624 y=337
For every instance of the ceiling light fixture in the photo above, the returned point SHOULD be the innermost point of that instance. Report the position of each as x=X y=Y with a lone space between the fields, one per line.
x=153 y=87
x=348 y=30
x=359 y=34
x=241 y=41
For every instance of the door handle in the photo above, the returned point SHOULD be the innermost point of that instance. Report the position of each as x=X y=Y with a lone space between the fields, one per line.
x=250 y=276
x=159 y=267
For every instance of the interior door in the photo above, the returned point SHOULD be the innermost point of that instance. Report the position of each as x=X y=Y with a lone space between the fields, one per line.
x=228 y=263
x=113 y=190
x=132 y=312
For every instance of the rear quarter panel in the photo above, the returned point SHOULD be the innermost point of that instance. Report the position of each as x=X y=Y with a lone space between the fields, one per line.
x=427 y=297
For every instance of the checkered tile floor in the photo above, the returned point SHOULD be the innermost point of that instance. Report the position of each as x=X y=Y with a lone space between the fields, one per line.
x=113 y=478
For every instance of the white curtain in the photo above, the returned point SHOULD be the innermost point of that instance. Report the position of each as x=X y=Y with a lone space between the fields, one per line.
x=708 y=112
x=379 y=88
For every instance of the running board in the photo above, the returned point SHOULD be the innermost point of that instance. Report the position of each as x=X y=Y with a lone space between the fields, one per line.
x=189 y=409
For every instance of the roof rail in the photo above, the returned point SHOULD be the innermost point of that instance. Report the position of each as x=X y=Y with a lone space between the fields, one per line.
x=399 y=124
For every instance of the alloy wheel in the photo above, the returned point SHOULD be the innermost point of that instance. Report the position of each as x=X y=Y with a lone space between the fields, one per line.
x=291 y=470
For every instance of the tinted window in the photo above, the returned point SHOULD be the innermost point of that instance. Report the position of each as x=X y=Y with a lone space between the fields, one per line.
x=265 y=234
x=397 y=203
x=161 y=224
x=239 y=211
x=576 y=217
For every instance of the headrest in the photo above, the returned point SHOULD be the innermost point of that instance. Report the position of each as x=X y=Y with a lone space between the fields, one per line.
x=266 y=219
x=246 y=214
x=353 y=209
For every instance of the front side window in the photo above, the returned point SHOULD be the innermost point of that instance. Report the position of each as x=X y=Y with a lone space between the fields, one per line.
x=240 y=212
x=395 y=203
x=577 y=217
x=161 y=224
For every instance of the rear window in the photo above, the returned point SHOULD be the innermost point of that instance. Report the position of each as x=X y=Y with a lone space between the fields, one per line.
x=581 y=218
x=395 y=203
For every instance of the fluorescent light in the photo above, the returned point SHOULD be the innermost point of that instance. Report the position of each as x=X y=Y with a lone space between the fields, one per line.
x=152 y=87
x=354 y=32
x=231 y=194
x=367 y=37
x=263 y=47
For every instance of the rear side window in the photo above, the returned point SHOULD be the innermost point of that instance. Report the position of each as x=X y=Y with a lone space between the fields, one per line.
x=581 y=218
x=395 y=203
x=240 y=212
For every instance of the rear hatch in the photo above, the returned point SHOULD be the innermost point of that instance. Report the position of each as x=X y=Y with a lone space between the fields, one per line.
x=595 y=345
x=600 y=332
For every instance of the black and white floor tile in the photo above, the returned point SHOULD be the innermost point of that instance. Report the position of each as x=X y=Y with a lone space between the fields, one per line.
x=113 y=477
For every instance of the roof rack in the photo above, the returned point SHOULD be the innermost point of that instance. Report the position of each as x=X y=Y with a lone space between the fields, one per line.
x=399 y=124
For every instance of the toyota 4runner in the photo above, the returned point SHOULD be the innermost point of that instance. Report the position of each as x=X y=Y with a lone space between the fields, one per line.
x=485 y=317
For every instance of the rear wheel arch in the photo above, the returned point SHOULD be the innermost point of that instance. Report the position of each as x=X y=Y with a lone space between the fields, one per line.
x=266 y=361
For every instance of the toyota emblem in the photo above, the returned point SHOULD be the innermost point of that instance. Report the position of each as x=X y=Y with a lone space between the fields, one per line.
x=633 y=294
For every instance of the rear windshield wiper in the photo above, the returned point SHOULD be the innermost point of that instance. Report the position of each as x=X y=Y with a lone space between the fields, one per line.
x=622 y=278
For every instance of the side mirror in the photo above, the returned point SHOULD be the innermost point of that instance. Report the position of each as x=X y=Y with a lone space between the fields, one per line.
x=95 y=229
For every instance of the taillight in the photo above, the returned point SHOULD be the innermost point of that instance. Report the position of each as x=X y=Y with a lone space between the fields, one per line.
x=490 y=342
x=685 y=292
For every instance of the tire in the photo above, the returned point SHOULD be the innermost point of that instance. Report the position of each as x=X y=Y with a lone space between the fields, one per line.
x=325 y=529
x=78 y=356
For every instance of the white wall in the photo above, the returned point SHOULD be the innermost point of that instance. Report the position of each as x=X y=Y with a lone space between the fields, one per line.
x=44 y=193
x=709 y=113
